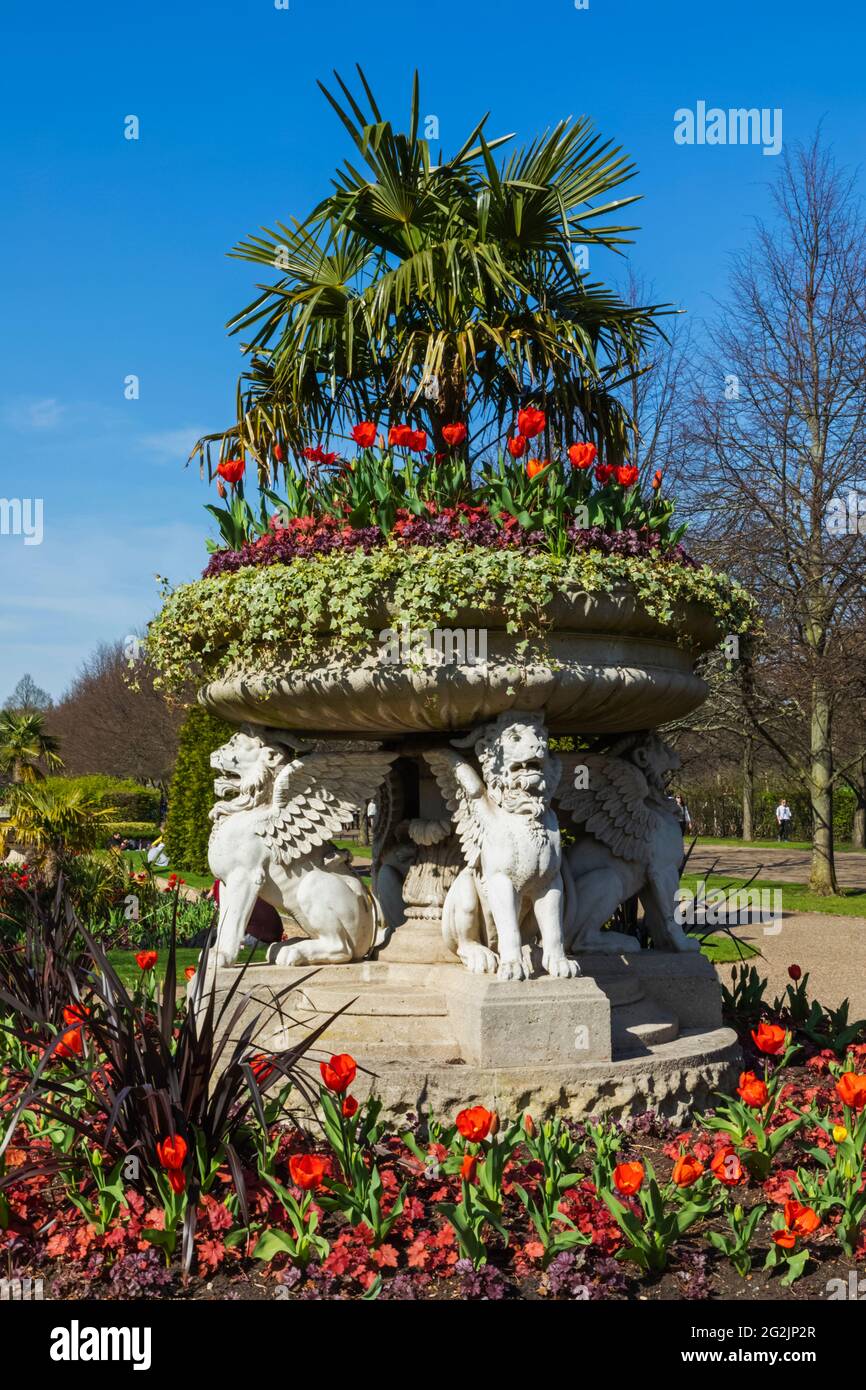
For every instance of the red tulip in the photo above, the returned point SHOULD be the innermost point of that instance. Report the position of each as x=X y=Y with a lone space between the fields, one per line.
x=177 y=1180
x=417 y=441
x=172 y=1152
x=536 y=466
x=530 y=421
x=454 y=434
x=726 y=1166
x=146 y=960
x=517 y=446
x=628 y=1178
x=339 y=1073
x=626 y=475
x=795 y=972
x=190 y=971
x=71 y=1044
x=851 y=1090
x=307 y=1171
x=232 y=470
x=657 y=480
x=529 y=1125
x=75 y=1014
x=318 y=455
x=582 y=455
x=364 y=434
x=752 y=1091
x=475 y=1123
x=400 y=436
x=262 y=1068
x=799 y=1221
x=468 y=1167
x=769 y=1038
x=603 y=473
x=687 y=1170
x=350 y=1107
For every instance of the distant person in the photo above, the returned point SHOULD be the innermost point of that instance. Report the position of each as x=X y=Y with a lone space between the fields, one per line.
x=681 y=811
x=157 y=856
x=783 y=819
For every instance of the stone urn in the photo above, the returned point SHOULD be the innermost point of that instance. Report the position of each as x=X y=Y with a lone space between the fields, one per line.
x=439 y=1011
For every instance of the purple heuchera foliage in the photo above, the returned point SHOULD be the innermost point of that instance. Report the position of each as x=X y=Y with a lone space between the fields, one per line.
x=281 y=546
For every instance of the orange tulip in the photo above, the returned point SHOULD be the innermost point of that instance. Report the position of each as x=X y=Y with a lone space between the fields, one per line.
x=350 y=1106
x=851 y=1090
x=628 y=1178
x=364 y=434
x=726 y=1166
x=535 y=466
x=687 y=1170
x=626 y=475
x=475 y=1123
x=800 y=1221
x=232 y=470
x=146 y=960
x=454 y=434
x=517 y=446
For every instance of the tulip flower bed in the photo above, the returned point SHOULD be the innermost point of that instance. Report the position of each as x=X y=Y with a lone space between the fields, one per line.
x=142 y=1158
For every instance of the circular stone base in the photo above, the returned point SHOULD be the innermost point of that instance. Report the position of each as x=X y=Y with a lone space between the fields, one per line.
x=630 y=1034
x=673 y=1080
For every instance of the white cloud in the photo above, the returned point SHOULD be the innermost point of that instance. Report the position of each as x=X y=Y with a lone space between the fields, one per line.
x=171 y=446
x=29 y=415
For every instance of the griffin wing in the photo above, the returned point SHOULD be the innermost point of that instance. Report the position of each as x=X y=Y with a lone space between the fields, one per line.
x=317 y=796
x=609 y=800
x=444 y=763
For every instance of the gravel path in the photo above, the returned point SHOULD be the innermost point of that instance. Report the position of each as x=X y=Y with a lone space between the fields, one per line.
x=832 y=949
x=778 y=865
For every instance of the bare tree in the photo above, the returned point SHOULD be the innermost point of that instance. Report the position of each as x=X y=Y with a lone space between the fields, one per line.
x=111 y=720
x=780 y=432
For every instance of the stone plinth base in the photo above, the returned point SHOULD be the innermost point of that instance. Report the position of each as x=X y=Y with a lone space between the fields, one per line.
x=630 y=1034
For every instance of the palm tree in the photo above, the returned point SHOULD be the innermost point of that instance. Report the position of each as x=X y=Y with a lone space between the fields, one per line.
x=441 y=292
x=24 y=745
x=53 y=824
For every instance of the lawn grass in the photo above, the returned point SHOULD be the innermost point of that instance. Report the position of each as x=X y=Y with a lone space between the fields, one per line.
x=125 y=964
x=722 y=949
x=796 y=897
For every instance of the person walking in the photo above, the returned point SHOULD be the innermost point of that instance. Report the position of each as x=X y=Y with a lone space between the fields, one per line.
x=783 y=819
x=681 y=812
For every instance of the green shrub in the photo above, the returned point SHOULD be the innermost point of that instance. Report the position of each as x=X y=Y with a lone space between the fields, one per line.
x=191 y=794
x=132 y=800
x=130 y=830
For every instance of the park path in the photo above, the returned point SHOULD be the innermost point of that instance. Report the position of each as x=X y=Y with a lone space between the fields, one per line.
x=778 y=865
x=831 y=948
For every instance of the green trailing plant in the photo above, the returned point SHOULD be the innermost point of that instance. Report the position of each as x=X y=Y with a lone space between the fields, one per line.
x=332 y=607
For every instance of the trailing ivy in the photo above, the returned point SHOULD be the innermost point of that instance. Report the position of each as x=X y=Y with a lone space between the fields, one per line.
x=330 y=608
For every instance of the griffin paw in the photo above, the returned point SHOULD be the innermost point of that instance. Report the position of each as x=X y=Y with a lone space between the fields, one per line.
x=479 y=959
x=560 y=967
x=512 y=970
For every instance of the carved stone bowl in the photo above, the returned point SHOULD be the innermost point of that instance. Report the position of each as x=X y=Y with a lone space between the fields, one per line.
x=608 y=666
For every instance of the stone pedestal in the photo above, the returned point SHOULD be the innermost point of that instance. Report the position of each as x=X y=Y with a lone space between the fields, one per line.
x=632 y=1033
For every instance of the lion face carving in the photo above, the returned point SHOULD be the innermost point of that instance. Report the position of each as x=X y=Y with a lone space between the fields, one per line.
x=249 y=767
x=519 y=772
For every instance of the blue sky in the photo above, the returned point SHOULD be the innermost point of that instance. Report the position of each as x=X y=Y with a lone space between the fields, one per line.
x=113 y=251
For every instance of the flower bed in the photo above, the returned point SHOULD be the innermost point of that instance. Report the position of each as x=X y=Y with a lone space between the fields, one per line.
x=123 y=1175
